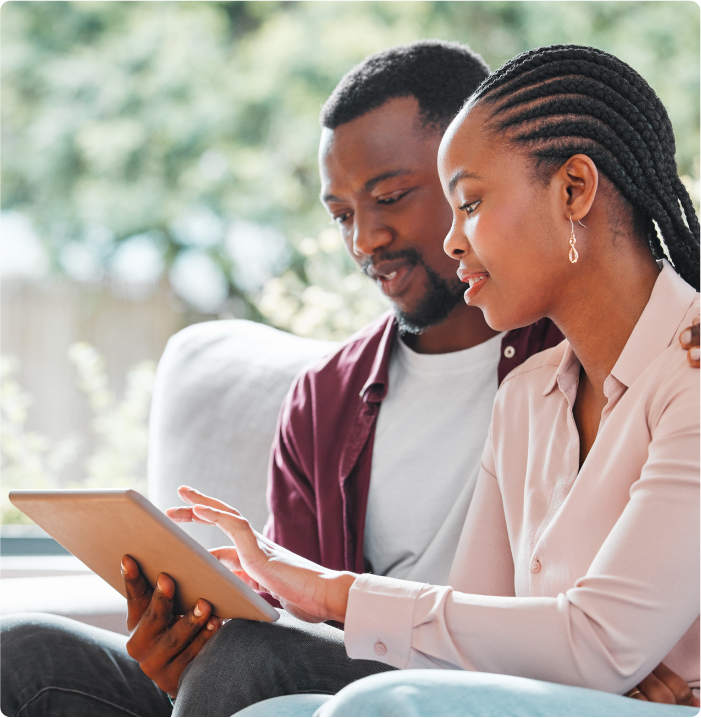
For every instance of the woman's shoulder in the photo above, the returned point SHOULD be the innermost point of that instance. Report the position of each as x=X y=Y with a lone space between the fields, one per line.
x=537 y=369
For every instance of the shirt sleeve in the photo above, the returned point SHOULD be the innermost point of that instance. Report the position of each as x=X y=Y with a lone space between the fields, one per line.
x=636 y=601
x=292 y=521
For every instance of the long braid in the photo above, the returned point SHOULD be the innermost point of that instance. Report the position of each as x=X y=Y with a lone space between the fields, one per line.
x=567 y=99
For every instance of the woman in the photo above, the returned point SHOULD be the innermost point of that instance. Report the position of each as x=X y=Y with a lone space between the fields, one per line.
x=579 y=561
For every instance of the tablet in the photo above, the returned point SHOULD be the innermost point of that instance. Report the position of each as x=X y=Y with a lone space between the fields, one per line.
x=100 y=526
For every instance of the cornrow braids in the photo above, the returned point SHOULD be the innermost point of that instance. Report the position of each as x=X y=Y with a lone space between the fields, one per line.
x=567 y=99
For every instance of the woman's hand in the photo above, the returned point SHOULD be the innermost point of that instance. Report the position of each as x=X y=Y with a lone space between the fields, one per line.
x=305 y=589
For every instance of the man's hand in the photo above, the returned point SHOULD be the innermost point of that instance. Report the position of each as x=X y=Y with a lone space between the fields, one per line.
x=689 y=339
x=305 y=589
x=162 y=643
x=663 y=685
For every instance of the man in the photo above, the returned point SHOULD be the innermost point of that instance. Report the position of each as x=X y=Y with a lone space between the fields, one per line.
x=378 y=445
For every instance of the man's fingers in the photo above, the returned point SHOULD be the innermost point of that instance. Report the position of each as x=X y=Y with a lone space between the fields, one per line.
x=138 y=592
x=679 y=688
x=656 y=691
x=192 y=496
x=157 y=617
x=186 y=656
x=163 y=662
x=690 y=336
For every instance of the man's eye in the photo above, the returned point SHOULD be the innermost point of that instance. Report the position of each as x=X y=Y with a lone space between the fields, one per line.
x=342 y=218
x=390 y=200
x=470 y=207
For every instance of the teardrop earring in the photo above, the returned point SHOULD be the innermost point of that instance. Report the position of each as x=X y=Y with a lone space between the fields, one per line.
x=574 y=254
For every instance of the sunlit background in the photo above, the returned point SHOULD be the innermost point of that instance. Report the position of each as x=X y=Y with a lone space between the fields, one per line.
x=159 y=169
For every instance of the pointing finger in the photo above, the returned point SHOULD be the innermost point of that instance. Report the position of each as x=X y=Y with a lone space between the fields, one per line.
x=192 y=496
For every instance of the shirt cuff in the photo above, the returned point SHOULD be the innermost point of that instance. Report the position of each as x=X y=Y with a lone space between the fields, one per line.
x=380 y=619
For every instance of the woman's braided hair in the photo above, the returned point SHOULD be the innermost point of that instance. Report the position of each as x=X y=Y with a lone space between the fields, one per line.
x=567 y=99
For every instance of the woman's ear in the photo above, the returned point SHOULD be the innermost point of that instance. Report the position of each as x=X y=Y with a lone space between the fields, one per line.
x=579 y=181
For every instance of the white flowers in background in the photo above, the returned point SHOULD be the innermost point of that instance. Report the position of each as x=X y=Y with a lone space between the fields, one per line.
x=121 y=427
x=31 y=460
x=337 y=302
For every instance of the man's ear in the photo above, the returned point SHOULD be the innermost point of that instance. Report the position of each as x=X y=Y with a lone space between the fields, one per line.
x=578 y=182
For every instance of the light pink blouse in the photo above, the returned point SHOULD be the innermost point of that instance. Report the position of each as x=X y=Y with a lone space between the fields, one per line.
x=584 y=577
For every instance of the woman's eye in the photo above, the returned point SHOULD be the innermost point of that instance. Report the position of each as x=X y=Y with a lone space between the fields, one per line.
x=341 y=218
x=470 y=207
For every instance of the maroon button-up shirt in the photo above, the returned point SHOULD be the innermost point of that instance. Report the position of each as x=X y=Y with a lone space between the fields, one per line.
x=321 y=458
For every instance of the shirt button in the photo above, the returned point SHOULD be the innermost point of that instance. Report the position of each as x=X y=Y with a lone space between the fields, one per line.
x=380 y=648
x=535 y=566
x=509 y=352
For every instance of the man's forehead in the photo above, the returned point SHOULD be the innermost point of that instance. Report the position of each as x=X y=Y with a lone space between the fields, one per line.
x=387 y=142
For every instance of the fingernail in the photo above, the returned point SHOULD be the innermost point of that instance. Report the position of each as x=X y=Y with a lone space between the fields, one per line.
x=197 y=610
x=211 y=626
x=159 y=584
x=694 y=351
x=686 y=336
x=124 y=569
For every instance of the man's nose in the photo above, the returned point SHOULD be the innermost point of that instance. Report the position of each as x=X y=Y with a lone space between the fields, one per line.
x=369 y=235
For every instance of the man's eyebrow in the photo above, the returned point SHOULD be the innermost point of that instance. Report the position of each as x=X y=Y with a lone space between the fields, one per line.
x=461 y=175
x=371 y=184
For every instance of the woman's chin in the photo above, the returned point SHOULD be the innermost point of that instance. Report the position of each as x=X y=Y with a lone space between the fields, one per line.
x=502 y=320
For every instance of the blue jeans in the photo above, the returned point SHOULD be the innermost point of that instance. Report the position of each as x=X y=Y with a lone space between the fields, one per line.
x=460 y=693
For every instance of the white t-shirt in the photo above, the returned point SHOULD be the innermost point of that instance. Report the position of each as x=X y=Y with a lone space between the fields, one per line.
x=429 y=438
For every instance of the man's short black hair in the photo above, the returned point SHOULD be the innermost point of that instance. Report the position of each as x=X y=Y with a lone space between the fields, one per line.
x=440 y=75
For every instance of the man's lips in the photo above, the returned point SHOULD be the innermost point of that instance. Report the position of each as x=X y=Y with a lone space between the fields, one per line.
x=392 y=276
x=475 y=280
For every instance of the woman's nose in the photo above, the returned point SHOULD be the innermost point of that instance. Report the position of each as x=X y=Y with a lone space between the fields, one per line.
x=455 y=244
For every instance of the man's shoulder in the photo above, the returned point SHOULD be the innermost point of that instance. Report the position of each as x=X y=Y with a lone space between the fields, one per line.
x=355 y=356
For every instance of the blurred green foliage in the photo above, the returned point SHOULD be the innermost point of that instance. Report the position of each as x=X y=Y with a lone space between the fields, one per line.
x=121 y=118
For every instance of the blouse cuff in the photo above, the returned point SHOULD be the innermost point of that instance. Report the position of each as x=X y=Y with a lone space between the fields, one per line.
x=380 y=619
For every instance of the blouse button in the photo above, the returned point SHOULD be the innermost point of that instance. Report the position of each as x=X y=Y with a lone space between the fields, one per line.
x=509 y=352
x=380 y=648
x=535 y=566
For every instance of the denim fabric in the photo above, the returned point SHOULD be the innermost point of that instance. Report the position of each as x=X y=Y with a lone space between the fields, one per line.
x=285 y=706
x=463 y=693
x=55 y=666
x=248 y=661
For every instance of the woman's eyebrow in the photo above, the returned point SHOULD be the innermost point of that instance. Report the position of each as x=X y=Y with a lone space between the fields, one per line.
x=461 y=175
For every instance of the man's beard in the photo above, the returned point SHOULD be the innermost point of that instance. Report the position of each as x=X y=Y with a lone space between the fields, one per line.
x=438 y=301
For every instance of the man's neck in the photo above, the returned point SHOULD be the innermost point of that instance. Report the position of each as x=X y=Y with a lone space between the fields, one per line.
x=462 y=329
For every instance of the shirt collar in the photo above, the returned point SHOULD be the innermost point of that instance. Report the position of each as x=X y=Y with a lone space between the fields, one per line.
x=657 y=327
x=375 y=388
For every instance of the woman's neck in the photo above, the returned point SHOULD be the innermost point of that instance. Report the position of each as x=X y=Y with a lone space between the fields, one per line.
x=601 y=306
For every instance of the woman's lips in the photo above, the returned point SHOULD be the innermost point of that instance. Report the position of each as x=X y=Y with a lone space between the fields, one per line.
x=476 y=280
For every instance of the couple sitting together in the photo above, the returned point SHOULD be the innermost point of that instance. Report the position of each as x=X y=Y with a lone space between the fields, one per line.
x=572 y=583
